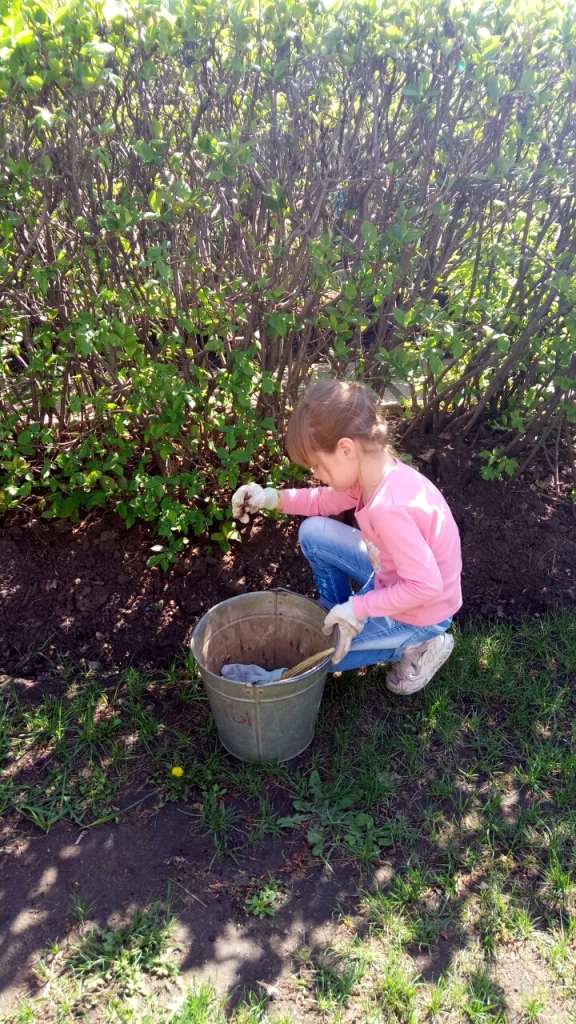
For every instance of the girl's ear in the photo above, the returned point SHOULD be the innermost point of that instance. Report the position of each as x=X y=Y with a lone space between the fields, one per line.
x=347 y=447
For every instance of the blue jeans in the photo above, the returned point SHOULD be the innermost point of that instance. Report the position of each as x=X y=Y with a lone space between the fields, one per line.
x=338 y=555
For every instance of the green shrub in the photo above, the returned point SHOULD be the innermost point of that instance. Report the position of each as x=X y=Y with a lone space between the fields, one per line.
x=201 y=202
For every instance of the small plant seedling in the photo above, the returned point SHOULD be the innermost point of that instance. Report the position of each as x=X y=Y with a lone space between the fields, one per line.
x=534 y=1007
x=264 y=902
x=80 y=907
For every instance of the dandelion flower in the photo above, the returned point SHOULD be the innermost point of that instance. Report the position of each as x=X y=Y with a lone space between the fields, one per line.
x=177 y=771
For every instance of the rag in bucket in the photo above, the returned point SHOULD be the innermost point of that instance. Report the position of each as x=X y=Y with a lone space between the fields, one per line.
x=250 y=673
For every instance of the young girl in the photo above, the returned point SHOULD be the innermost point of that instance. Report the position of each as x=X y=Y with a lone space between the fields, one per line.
x=406 y=554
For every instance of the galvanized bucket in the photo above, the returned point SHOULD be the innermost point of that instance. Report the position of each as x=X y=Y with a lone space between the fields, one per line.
x=272 y=721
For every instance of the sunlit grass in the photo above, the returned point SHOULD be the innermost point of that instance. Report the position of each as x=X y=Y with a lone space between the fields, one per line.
x=469 y=787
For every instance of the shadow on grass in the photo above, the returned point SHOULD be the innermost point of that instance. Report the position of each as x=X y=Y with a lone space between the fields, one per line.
x=437 y=824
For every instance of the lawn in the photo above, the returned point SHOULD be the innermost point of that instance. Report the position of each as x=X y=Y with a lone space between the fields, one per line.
x=440 y=828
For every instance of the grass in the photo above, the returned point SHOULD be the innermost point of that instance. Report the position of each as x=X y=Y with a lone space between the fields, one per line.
x=123 y=955
x=198 y=1004
x=470 y=788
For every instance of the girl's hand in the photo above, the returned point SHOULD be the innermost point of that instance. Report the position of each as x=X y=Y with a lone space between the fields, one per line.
x=342 y=615
x=251 y=498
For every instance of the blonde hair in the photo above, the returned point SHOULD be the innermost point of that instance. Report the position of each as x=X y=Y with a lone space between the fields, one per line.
x=330 y=410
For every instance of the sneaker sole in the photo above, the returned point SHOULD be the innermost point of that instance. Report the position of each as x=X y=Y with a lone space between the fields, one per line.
x=407 y=689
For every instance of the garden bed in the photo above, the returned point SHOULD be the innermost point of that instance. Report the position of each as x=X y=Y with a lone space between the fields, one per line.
x=83 y=591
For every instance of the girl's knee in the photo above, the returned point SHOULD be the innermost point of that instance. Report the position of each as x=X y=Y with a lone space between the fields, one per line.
x=310 y=530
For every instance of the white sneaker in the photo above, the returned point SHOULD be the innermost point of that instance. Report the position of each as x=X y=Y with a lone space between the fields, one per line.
x=418 y=664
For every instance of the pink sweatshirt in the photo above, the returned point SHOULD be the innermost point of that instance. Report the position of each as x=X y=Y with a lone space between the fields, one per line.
x=411 y=538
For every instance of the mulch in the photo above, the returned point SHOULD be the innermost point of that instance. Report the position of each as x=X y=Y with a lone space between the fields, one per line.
x=83 y=591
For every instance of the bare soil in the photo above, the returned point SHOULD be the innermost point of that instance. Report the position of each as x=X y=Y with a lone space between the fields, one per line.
x=124 y=867
x=82 y=590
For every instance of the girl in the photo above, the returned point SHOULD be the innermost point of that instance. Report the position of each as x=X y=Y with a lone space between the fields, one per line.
x=406 y=554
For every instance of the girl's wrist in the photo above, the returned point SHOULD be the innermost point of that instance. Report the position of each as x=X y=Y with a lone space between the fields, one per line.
x=280 y=502
x=351 y=600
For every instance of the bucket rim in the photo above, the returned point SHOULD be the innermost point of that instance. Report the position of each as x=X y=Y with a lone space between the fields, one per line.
x=253 y=593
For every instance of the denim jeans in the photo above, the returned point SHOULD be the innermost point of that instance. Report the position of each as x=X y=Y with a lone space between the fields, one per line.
x=338 y=555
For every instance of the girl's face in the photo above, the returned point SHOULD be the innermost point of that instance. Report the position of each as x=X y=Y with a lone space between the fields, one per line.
x=338 y=469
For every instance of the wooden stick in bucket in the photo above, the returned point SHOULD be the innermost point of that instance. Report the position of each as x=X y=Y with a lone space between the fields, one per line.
x=308 y=663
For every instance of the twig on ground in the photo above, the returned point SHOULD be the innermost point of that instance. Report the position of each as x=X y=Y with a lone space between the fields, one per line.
x=197 y=898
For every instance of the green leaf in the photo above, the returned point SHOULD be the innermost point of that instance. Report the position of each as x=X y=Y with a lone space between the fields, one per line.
x=25 y=37
x=207 y=144
x=229 y=169
x=155 y=202
x=369 y=233
x=144 y=151
x=527 y=80
x=149 y=70
x=34 y=82
x=493 y=87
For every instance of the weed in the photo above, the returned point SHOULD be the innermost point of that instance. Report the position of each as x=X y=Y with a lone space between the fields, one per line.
x=331 y=824
x=122 y=956
x=484 y=1003
x=266 y=821
x=23 y=1014
x=533 y=1007
x=252 y=1010
x=335 y=982
x=396 y=991
x=81 y=907
x=265 y=900
x=220 y=822
x=200 y=1006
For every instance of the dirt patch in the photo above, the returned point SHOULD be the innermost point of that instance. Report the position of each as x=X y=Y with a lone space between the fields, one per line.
x=83 y=591
x=525 y=979
x=104 y=868
x=518 y=539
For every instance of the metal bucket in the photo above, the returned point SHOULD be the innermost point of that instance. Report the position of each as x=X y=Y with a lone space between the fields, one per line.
x=272 y=721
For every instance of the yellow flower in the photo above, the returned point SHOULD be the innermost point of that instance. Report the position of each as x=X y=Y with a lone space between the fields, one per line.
x=177 y=771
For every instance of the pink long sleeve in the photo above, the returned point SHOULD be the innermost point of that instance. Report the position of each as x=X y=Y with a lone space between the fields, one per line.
x=411 y=538
x=414 y=544
x=419 y=578
x=318 y=501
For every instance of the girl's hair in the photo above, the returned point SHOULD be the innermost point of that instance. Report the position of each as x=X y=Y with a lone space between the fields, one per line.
x=329 y=410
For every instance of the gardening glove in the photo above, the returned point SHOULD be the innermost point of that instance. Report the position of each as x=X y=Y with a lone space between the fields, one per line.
x=251 y=498
x=342 y=615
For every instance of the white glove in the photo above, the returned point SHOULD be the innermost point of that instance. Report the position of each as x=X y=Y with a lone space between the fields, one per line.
x=342 y=615
x=251 y=498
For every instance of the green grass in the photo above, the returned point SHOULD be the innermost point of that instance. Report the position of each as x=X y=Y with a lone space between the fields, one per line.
x=469 y=786
x=199 y=1004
